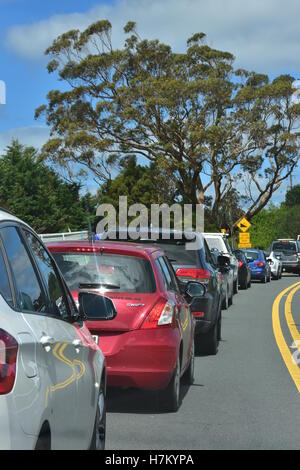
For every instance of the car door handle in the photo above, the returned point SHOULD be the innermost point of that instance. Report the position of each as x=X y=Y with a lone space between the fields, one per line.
x=47 y=342
x=77 y=343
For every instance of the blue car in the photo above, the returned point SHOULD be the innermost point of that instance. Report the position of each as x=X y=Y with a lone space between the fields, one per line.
x=260 y=268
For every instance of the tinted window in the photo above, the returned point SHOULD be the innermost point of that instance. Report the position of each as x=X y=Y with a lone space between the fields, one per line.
x=169 y=279
x=252 y=255
x=289 y=247
x=30 y=295
x=117 y=273
x=216 y=244
x=5 y=290
x=58 y=305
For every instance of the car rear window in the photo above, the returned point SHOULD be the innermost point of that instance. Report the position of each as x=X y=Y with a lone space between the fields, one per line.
x=252 y=255
x=113 y=273
x=217 y=244
x=290 y=247
x=177 y=252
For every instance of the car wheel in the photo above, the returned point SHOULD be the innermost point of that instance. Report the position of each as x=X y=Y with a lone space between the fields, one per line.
x=220 y=328
x=98 y=439
x=209 y=341
x=264 y=280
x=244 y=285
x=249 y=284
x=225 y=303
x=236 y=287
x=189 y=376
x=170 y=398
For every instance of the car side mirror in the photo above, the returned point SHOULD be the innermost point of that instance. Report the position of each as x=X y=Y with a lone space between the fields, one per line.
x=195 y=289
x=223 y=261
x=95 y=307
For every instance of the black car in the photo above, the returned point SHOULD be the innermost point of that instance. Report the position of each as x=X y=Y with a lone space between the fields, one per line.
x=244 y=272
x=227 y=282
x=288 y=251
x=193 y=264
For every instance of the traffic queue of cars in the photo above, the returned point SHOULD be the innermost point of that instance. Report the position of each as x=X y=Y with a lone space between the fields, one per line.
x=77 y=317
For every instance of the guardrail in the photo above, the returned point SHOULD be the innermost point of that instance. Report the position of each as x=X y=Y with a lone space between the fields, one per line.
x=67 y=236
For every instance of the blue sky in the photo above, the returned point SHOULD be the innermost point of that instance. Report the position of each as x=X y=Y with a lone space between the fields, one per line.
x=264 y=36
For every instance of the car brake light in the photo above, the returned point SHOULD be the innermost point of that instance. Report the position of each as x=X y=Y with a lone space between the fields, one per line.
x=198 y=314
x=260 y=265
x=162 y=314
x=202 y=275
x=8 y=362
x=241 y=264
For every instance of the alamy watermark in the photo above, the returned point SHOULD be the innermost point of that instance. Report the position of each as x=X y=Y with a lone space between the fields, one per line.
x=2 y=92
x=160 y=221
x=296 y=94
x=296 y=354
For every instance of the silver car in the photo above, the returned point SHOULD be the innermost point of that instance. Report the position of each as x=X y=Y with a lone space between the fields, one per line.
x=275 y=265
x=52 y=373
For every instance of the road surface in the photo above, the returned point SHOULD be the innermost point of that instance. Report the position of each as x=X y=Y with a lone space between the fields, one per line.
x=246 y=397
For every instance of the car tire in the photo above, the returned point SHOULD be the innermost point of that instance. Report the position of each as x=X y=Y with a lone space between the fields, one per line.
x=209 y=342
x=236 y=287
x=264 y=280
x=244 y=285
x=249 y=284
x=170 y=397
x=225 y=303
x=99 y=433
x=189 y=375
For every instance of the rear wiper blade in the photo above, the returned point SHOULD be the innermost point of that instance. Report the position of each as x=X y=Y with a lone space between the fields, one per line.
x=90 y=285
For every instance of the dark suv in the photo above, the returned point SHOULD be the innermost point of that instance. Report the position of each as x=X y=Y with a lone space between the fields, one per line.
x=288 y=251
x=194 y=264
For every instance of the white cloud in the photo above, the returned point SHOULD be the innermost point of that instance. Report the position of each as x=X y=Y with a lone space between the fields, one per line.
x=34 y=136
x=264 y=35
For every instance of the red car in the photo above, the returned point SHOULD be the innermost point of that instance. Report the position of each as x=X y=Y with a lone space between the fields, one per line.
x=150 y=343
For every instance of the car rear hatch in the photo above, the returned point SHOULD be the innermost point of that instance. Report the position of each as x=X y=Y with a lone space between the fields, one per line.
x=287 y=253
x=128 y=280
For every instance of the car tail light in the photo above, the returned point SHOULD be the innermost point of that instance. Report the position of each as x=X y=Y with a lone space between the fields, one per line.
x=162 y=314
x=8 y=362
x=198 y=314
x=201 y=275
x=241 y=264
x=260 y=265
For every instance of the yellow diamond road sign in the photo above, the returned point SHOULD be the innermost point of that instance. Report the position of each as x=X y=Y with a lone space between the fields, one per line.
x=244 y=225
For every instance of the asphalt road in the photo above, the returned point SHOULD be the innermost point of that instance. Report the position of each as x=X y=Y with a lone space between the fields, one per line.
x=243 y=398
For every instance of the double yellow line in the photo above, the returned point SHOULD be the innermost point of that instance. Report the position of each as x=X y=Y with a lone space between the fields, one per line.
x=284 y=349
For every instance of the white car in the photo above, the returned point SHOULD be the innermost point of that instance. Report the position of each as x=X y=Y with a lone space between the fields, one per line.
x=219 y=242
x=275 y=265
x=52 y=373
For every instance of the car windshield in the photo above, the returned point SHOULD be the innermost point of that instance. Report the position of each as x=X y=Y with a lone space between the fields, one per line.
x=289 y=247
x=117 y=273
x=215 y=244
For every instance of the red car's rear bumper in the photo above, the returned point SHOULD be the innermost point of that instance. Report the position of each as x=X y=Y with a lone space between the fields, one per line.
x=142 y=359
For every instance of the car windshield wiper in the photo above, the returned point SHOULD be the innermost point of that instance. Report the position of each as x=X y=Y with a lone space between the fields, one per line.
x=98 y=285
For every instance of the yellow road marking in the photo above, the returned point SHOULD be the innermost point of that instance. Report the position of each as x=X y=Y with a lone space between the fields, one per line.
x=289 y=317
x=279 y=337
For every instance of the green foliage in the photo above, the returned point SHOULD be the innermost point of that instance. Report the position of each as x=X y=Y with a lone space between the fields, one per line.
x=293 y=197
x=36 y=194
x=273 y=223
x=141 y=184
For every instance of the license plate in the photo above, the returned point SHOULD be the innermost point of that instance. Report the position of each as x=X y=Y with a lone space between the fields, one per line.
x=96 y=339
